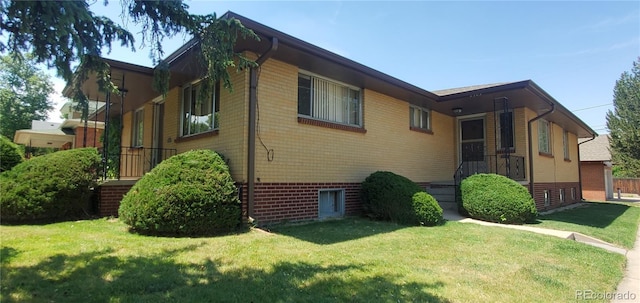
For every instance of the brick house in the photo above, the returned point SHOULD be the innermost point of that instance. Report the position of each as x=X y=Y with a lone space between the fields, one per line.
x=305 y=128
x=596 y=169
x=68 y=134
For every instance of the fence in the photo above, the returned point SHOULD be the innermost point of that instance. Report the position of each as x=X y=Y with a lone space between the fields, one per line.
x=627 y=185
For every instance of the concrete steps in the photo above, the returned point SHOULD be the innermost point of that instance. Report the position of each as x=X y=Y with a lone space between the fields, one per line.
x=444 y=193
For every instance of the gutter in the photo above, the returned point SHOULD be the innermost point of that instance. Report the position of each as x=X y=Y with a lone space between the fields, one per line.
x=253 y=106
x=553 y=106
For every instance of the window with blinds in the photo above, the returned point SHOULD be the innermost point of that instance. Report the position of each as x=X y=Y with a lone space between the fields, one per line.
x=328 y=100
x=544 y=136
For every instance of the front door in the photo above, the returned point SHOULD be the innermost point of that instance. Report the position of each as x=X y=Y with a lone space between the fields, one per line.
x=472 y=146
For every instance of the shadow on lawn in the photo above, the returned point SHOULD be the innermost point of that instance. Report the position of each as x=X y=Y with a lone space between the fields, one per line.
x=336 y=231
x=595 y=214
x=103 y=277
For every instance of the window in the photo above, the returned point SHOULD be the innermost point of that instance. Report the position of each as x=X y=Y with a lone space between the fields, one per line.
x=199 y=115
x=330 y=203
x=327 y=100
x=561 y=195
x=138 y=128
x=573 y=193
x=420 y=118
x=547 y=198
x=505 y=131
x=544 y=137
x=565 y=145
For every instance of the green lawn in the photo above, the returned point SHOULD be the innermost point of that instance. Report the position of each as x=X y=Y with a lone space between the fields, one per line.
x=353 y=260
x=616 y=223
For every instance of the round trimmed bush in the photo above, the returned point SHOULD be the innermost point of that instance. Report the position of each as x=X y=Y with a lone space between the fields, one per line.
x=427 y=210
x=10 y=154
x=387 y=196
x=50 y=187
x=188 y=194
x=496 y=198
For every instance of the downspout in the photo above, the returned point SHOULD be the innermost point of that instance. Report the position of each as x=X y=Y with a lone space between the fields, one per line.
x=253 y=101
x=593 y=137
x=553 y=106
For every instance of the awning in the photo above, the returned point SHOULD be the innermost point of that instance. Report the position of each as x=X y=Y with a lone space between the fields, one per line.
x=55 y=138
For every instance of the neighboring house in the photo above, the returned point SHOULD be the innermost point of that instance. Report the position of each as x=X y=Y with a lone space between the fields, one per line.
x=595 y=169
x=71 y=133
x=305 y=128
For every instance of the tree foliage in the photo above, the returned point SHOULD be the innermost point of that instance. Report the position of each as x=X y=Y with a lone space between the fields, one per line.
x=61 y=33
x=623 y=123
x=24 y=93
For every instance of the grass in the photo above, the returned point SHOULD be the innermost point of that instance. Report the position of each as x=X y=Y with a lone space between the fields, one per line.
x=616 y=223
x=353 y=260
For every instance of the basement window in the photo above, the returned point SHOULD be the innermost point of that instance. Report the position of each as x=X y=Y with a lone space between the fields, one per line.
x=547 y=198
x=561 y=195
x=330 y=203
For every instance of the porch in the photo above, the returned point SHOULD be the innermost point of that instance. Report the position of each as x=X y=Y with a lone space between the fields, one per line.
x=121 y=169
x=131 y=162
x=510 y=166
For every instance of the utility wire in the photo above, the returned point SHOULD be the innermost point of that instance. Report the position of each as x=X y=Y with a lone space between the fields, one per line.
x=592 y=107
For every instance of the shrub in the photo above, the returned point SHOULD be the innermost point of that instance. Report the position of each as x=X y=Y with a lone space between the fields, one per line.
x=10 y=154
x=50 y=187
x=497 y=198
x=387 y=196
x=188 y=194
x=426 y=208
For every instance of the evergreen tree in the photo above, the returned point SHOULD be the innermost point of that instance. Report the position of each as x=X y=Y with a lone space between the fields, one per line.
x=62 y=33
x=24 y=94
x=624 y=123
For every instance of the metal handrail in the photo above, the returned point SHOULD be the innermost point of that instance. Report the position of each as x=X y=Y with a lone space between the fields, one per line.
x=133 y=161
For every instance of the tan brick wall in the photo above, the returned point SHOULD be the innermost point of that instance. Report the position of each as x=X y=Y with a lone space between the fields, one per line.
x=229 y=140
x=311 y=153
x=554 y=168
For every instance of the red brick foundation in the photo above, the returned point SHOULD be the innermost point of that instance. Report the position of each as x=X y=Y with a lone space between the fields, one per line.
x=110 y=194
x=554 y=194
x=277 y=202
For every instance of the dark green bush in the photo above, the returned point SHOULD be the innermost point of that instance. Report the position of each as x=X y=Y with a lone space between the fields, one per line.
x=188 y=194
x=497 y=198
x=427 y=210
x=10 y=154
x=50 y=187
x=387 y=196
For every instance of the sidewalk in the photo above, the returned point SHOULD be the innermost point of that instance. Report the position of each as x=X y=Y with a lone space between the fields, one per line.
x=629 y=285
x=452 y=215
x=631 y=281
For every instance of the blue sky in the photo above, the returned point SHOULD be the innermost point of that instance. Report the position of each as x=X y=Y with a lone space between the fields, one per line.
x=574 y=50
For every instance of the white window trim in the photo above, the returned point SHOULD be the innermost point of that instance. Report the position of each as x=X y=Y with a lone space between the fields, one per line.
x=360 y=100
x=422 y=110
x=214 y=103
x=137 y=139
x=561 y=195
